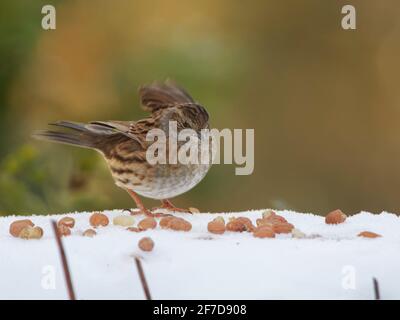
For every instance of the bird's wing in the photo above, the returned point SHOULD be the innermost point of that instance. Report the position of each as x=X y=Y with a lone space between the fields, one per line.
x=158 y=96
x=116 y=127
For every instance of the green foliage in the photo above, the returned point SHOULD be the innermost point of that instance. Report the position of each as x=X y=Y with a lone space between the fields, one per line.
x=31 y=181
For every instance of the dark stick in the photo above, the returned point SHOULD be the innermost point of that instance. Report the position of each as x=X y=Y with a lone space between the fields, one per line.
x=376 y=289
x=64 y=261
x=142 y=278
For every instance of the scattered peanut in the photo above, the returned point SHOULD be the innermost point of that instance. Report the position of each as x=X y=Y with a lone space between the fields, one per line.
x=335 y=217
x=174 y=223
x=31 y=233
x=240 y=224
x=146 y=244
x=369 y=234
x=235 y=226
x=179 y=224
x=63 y=231
x=264 y=222
x=247 y=222
x=165 y=221
x=147 y=223
x=282 y=227
x=264 y=232
x=98 y=219
x=124 y=221
x=216 y=226
x=89 y=233
x=268 y=213
x=66 y=221
x=271 y=216
x=18 y=225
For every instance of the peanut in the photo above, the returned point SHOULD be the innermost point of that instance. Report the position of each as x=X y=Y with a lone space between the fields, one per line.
x=17 y=226
x=180 y=224
x=369 y=234
x=31 y=233
x=66 y=221
x=147 y=223
x=89 y=233
x=335 y=217
x=264 y=232
x=216 y=226
x=98 y=219
x=240 y=224
x=63 y=230
x=146 y=244
x=124 y=221
x=281 y=227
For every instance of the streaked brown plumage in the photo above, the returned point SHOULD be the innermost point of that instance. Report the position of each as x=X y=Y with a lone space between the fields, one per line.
x=123 y=144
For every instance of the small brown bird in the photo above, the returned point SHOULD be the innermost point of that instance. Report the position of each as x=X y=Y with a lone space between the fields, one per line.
x=123 y=145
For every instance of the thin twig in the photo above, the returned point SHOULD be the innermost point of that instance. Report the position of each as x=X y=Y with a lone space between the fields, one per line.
x=142 y=278
x=64 y=261
x=376 y=289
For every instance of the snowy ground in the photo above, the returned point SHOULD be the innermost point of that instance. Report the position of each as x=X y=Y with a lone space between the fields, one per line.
x=199 y=265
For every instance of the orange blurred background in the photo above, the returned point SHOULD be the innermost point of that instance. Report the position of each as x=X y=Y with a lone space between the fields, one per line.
x=323 y=101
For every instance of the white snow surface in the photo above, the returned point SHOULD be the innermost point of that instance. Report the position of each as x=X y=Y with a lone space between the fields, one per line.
x=200 y=265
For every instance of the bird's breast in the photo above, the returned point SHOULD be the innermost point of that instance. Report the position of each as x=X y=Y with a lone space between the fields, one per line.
x=161 y=181
x=158 y=181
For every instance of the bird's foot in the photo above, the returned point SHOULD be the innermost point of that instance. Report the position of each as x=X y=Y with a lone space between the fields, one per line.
x=141 y=209
x=167 y=205
x=148 y=213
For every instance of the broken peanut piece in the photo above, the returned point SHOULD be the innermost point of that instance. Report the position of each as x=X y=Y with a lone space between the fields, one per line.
x=216 y=226
x=17 y=226
x=89 y=233
x=335 y=217
x=264 y=232
x=98 y=219
x=66 y=221
x=179 y=224
x=147 y=223
x=146 y=244
x=31 y=233
x=369 y=234
x=124 y=221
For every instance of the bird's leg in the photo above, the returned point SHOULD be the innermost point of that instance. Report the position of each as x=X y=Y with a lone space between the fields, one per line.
x=166 y=204
x=141 y=207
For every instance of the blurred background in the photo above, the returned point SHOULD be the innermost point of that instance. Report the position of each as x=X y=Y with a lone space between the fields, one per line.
x=324 y=102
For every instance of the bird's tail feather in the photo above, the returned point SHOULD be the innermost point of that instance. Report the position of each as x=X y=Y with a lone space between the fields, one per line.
x=79 y=135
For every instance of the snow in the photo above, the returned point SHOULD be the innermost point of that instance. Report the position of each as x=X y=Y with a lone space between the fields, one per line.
x=198 y=265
